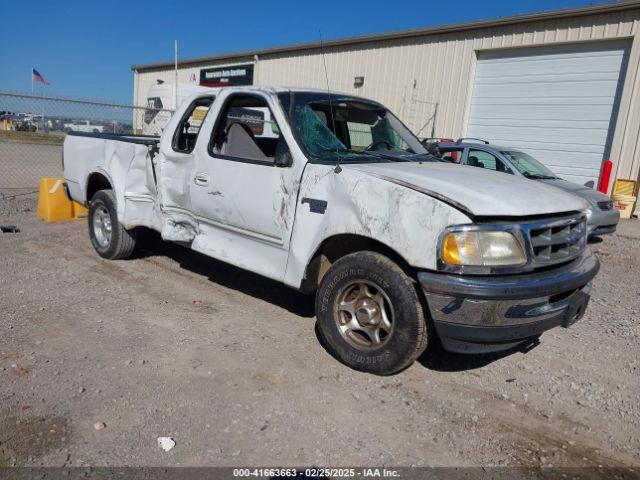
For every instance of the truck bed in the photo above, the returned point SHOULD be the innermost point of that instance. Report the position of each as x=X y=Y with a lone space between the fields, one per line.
x=138 y=139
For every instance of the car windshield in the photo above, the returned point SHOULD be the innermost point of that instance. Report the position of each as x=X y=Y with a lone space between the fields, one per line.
x=528 y=166
x=334 y=127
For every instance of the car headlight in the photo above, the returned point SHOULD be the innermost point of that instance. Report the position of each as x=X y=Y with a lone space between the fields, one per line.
x=486 y=248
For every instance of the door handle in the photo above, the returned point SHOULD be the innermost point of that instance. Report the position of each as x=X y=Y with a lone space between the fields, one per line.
x=201 y=179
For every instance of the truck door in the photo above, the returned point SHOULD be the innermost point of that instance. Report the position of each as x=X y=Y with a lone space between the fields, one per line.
x=244 y=187
x=175 y=172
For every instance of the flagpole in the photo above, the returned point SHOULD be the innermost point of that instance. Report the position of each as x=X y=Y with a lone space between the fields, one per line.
x=175 y=75
x=32 y=80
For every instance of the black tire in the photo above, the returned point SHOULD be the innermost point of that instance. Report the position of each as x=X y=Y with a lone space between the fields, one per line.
x=408 y=336
x=120 y=242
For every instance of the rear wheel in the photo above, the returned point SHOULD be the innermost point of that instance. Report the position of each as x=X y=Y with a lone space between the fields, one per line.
x=108 y=237
x=369 y=314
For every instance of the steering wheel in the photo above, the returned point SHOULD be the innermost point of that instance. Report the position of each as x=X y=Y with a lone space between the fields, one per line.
x=375 y=144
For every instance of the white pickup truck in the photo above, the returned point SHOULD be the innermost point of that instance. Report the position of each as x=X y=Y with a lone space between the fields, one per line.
x=83 y=126
x=337 y=197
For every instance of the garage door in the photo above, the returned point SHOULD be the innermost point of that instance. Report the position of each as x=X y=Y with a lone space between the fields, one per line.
x=556 y=103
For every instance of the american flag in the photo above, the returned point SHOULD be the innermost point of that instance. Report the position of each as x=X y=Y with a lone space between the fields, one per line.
x=37 y=77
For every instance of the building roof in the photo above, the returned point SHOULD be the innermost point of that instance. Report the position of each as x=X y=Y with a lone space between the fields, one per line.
x=529 y=17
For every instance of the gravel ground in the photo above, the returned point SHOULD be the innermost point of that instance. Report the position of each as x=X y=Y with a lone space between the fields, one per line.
x=228 y=364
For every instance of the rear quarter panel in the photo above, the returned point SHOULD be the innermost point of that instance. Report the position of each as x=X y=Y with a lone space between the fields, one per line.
x=126 y=165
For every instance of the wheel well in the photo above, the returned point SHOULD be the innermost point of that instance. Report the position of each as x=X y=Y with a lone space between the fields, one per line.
x=338 y=246
x=96 y=182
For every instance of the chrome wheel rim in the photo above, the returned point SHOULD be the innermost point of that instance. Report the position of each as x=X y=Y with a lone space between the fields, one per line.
x=102 y=226
x=364 y=315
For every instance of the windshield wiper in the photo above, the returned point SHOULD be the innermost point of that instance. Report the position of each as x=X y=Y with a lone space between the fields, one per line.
x=369 y=153
x=427 y=157
x=534 y=176
x=378 y=154
x=341 y=150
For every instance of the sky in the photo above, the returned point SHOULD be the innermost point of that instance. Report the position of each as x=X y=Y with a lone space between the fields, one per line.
x=85 y=49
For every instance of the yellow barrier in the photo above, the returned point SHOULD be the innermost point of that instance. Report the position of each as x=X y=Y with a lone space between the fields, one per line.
x=53 y=204
x=79 y=211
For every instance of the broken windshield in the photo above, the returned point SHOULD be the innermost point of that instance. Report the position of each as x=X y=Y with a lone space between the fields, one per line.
x=334 y=127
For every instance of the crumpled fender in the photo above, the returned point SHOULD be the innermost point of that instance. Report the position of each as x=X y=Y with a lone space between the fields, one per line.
x=407 y=221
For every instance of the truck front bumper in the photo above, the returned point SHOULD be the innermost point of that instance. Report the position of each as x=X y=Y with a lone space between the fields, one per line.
x=474 y=314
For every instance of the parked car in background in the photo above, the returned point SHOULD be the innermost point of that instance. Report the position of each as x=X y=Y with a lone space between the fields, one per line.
x=83 y=126
x=602 y=215
x=25 y=126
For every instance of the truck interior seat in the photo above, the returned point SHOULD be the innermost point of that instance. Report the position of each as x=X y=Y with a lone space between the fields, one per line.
x=240 y=142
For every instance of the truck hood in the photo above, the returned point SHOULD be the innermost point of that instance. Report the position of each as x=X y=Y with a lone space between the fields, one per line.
x=477 y=191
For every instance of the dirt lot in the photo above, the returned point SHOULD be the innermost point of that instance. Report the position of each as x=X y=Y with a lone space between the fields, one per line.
x=228 y=364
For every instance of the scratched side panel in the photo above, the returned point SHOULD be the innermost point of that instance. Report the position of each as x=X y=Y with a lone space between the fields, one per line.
x=407 y=221
x=140 y=194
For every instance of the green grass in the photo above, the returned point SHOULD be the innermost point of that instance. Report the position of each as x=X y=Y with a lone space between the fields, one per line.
x=54 y=138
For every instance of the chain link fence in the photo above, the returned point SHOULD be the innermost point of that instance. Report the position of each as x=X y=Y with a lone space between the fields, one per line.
x=33 y=127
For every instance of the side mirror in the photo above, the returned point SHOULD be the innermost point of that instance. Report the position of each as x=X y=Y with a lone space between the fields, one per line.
x=283 y=157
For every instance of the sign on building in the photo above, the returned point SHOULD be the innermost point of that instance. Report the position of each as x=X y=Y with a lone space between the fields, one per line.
x=227 y=76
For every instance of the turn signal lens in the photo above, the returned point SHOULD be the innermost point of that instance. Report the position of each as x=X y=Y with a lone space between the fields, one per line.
x=482 y=248
x=450 y=252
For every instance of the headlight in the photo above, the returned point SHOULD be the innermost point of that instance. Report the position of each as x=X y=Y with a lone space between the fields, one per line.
x=482 y=248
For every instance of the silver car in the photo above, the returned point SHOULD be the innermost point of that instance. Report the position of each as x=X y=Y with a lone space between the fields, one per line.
x=602 y=216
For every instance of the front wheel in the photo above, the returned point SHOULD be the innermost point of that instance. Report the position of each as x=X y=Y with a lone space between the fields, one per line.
x=369 y=314
x=108 y=237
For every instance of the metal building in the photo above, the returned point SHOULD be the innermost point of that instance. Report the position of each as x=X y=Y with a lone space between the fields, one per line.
x=564 y=85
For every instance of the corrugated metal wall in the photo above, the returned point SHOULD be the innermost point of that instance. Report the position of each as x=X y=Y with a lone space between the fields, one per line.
x=411 y=76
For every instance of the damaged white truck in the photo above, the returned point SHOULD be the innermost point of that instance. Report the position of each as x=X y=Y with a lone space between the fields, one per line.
x=331 y=194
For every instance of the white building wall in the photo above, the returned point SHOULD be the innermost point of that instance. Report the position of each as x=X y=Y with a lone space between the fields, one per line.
x=411 y=75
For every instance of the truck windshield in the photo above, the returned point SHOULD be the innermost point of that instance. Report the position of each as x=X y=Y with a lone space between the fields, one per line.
x=528 y=166
x=334 y=127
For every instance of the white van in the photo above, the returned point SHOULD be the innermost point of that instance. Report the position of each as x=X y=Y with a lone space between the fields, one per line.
x=160 y=105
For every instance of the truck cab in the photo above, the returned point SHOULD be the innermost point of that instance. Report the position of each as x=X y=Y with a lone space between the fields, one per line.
x=334 y=196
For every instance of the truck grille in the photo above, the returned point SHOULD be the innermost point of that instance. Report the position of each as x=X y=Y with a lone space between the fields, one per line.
x=556 y=241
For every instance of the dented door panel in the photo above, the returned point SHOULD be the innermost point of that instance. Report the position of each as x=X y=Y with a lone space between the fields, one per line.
x=245 y=210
